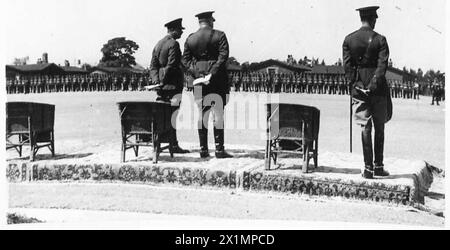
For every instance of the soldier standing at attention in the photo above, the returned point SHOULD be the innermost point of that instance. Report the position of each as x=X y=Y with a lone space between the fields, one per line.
x=205 y=53
x=366 y=55
x=416 y=89
x=166 y=70
x=435 y=93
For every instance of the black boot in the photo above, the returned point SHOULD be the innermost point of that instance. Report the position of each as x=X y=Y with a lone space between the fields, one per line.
x=379 y=171
x=203 y=136
x=368 y=172
x=219 y=140
x=174 y=147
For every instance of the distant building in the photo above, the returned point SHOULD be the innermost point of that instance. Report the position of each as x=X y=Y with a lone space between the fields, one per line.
x=394 y=74
x=234 y=68
x=327 y=70
x=70 y=70
x=277 y=67
x=113 y=70
x=33 y=69
x=333 y=70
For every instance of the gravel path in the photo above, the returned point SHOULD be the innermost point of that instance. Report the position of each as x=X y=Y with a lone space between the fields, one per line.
x=207 y=203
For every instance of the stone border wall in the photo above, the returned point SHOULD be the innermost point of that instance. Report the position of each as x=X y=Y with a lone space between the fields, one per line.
x=247 y=180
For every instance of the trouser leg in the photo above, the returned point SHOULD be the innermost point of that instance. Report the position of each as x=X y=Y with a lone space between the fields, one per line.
x=379 y=141
x=173 y=130
x=203 y=128
x=366 y=137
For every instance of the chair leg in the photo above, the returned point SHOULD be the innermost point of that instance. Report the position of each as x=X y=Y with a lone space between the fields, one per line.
x=305 y=158
x=53 y=143
x=136 y=150
x=155 y=148
x=32 y=147
x=268 y=154
x=316 y=153
x=122 y=152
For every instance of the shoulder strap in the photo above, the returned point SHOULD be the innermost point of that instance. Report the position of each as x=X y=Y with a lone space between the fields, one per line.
x=208 y=45
x=366 y=54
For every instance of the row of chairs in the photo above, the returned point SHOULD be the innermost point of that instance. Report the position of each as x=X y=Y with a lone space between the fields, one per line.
x=291 y=128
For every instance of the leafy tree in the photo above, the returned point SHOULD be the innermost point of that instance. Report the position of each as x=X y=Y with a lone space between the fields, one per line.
x=118 y=52
x=420 y=73
x=323 y=62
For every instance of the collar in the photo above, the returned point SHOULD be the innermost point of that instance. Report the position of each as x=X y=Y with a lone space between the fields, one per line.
x=366 y=28
x=205 y=28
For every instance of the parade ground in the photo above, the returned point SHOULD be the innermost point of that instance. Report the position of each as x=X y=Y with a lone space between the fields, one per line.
x=87 y=131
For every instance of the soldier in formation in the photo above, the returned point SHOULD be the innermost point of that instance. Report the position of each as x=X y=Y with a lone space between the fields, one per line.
x=75 y=83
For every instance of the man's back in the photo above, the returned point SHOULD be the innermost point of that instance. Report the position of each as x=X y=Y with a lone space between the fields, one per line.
x=209 y=45
x=369 y=52
x=167 y=57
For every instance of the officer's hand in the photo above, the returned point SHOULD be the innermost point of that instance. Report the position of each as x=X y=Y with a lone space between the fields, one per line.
x=168 y=87
x=373 y=84
x=214 y=71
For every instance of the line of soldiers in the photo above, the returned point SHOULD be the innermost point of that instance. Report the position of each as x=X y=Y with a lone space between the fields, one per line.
x=75 y=83
x=241 y=82
x=289 y=83
x=405 y=90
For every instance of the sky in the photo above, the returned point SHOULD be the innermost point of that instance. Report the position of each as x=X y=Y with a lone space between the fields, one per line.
x=256 y=29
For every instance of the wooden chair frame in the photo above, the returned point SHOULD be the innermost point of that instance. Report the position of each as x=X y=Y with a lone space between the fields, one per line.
x=305 y=147
x=132 y=139
x=34 y=137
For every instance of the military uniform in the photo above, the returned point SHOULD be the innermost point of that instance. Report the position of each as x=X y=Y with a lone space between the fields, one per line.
x=366 y=55
x=206 y=52
x=435 y=92
x=166 y=70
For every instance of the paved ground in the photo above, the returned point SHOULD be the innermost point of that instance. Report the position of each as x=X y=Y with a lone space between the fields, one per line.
x=415 y=132
x=196 y=208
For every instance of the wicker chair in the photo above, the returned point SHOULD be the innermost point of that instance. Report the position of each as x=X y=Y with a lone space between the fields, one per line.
x=145 y=124
x=30 y=124
x=292 y=129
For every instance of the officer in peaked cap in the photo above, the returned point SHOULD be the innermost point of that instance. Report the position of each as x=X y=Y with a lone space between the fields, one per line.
x=366 y=55
x=166 y=70
x=206 y=53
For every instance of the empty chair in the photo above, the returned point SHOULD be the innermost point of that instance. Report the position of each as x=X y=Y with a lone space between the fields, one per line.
x=293 y=129
x=145 y=124
x=32 y=124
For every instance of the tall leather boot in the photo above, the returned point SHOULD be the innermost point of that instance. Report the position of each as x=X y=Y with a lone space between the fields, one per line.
x=366 y=137
x=175 y=148
x=379 y=147
x=203 y=138
x=219 y=140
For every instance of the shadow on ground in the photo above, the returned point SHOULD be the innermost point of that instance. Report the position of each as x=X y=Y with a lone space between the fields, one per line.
x=42 y=157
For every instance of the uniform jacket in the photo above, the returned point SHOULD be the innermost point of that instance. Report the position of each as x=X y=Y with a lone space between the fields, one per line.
x=165 y=66
x=365 y=56
x=198 y=50
x=370 y=59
